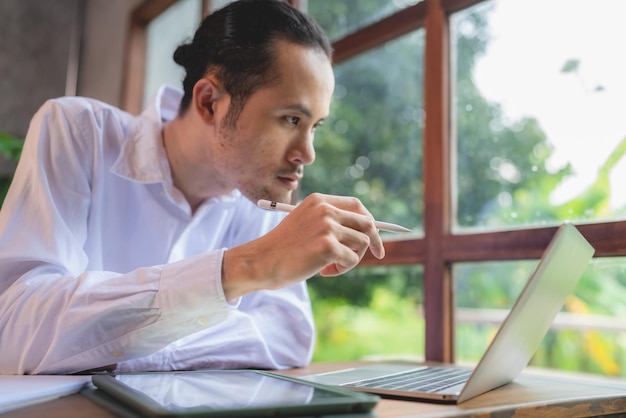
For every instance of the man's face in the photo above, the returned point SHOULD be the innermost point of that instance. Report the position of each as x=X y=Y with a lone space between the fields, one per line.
x=264 y=154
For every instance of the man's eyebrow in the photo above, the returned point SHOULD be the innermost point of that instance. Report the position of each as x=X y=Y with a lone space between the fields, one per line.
x=304 y=110
x=300 y=108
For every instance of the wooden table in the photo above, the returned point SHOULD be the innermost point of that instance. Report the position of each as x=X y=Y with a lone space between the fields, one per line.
x=533 y=394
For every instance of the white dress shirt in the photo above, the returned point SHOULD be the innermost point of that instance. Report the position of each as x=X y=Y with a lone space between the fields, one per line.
x=103 y=262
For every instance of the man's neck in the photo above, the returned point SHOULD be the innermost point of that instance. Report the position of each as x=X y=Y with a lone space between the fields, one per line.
x=190 y=173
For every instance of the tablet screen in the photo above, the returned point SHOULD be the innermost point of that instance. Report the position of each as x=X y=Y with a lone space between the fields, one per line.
x=226 y=390
x=220 y=390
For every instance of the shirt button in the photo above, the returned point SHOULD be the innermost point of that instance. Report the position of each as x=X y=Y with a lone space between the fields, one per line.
x=203 y=320
x=117 y=354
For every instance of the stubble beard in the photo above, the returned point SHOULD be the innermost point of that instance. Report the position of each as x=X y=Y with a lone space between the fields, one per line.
x=254 y=191
x=264 y=192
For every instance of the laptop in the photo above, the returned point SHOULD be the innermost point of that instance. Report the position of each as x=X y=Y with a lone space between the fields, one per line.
x=519 y=336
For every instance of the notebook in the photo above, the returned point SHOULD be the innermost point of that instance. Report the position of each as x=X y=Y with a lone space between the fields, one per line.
x=519 y=336
x=17 y=391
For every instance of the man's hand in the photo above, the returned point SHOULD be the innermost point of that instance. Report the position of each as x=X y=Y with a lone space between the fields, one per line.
x=324 y=234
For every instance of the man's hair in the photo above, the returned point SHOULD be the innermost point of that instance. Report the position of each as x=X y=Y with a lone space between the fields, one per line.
x=237 y=44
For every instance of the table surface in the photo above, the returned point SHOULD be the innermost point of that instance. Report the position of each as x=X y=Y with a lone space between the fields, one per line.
x=533 y=394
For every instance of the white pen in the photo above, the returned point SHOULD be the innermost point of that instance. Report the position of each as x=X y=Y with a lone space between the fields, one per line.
x=284 y=207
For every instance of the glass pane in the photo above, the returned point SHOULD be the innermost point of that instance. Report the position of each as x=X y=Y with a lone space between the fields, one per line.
x=218 y=4
x=165 y=33
x=588 y=335
x=340 y=18
x=371 y=145
x=539 y=105
x=368 y=313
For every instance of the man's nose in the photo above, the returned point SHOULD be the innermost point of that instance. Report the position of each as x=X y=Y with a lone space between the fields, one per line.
x=303 y=151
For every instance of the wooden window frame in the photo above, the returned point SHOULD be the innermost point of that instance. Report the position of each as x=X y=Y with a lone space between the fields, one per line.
x=439 y=248
x=136 y=47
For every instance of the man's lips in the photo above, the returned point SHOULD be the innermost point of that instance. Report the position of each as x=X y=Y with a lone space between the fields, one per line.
x=291 y=181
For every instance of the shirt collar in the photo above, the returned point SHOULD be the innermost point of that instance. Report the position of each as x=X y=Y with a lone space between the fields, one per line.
x=143 y=156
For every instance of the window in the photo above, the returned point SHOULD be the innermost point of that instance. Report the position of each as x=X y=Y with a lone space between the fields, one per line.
x=166 y=32
x=367 y=312
x=502 y=163
x=588 y=335
x=340 y=18
x=538 y=113
x=156 y=29
x=539 y=140
x=371 y=144
x=371 y=147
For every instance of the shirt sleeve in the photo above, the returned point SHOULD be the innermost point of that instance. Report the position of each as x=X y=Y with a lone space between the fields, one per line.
x=267 y=330
x=55 y=315
x=270 y=330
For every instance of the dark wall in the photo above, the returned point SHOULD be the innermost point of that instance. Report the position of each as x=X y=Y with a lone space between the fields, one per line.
x=35 y=37
x=35 y=48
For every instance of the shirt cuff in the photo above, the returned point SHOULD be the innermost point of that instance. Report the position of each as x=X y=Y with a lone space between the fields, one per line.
x=191 y=290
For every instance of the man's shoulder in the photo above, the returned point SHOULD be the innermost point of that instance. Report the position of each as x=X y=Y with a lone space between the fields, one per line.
x=81 y=123
x=73 y=107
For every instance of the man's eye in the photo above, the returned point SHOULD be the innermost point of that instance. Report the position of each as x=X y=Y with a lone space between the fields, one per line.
x=292 y=120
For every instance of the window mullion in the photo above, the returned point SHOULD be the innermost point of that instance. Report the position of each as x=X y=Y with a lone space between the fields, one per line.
x=438 y=294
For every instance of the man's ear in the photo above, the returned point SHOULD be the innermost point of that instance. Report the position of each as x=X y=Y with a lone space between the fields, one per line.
x=206 y=94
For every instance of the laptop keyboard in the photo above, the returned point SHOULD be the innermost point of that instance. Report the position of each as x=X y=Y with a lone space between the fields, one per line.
x=429 y=380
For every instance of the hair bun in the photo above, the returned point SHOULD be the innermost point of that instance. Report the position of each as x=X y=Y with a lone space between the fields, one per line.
x=182 y=54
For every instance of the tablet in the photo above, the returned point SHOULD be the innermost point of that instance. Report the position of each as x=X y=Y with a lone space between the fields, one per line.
x=223 y=393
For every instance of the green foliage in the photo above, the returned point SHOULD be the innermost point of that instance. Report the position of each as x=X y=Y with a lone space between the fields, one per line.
x=10 y=148
x=379 y=328
x=571 y=66
x=338 y=18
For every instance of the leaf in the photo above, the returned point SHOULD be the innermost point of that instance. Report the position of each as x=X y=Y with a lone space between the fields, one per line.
x=10 y=146
x=571 y=66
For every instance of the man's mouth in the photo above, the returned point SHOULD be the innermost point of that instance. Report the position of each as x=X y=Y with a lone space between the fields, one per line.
x=290 y=181
x=291 y=177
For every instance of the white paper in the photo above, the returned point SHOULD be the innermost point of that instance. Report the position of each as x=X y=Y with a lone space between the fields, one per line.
x=17 y=391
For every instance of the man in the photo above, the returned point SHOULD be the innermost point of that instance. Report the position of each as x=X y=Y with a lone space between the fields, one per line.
x=134 y=243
